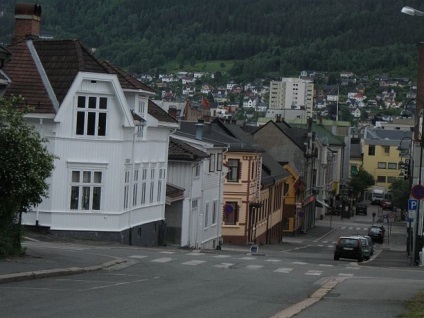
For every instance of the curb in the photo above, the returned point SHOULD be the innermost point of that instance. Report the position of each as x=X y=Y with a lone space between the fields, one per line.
x=18 y=277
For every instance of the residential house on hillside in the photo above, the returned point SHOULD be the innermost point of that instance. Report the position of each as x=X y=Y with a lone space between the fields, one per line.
x=328 y=159
x=250 y=102
x=195 y=165
x=287 y=145
x=110 y=140
x=381 y=156
x=252 y=198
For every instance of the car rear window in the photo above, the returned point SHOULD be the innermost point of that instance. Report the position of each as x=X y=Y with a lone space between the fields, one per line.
x=348 y=241
x=375 y=230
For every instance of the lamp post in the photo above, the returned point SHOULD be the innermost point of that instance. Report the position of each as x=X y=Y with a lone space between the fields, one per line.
x=420 y=141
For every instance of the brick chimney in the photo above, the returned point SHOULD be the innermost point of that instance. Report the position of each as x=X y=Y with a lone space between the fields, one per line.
x=27 y=21
x=419 y=105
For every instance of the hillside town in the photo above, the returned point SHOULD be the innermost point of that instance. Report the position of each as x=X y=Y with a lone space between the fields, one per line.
x=201 y=165
x=190 y=194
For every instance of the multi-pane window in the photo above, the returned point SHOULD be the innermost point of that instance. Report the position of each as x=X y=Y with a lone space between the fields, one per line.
x=86 y=190
x=381 y=165
x=194 y=205
x=91 y=116
x=391 y=179
x=152 y=184
x=371 y=150
x=126 y=189
x=196 y=170
x=207 y=215
x=143 y=185
x=214 y=212
x=233 y=170
x=392 y=165
x=212 y=163
x=161 y=182
x=381 y=179
x=135 y=187
x=231 y=213
x=141 y=107
x=386 y=150
x=219 y=162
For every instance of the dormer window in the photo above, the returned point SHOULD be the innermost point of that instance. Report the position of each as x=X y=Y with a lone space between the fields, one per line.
x=141 y=107
x=91 y=116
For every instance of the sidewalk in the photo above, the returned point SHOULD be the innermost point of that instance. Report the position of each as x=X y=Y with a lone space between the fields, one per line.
x=42 y=262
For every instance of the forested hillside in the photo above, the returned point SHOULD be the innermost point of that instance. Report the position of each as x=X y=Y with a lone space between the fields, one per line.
x=265 y=37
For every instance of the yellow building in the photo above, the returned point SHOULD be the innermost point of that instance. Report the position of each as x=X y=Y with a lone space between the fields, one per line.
x=381 y=156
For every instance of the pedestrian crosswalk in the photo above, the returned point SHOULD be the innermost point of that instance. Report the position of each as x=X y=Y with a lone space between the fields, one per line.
x=248 y=263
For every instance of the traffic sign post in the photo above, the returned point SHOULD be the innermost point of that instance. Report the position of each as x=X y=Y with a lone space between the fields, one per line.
x=412 y=209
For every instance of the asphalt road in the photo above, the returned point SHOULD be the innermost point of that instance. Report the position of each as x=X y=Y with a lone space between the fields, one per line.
x=296 y=278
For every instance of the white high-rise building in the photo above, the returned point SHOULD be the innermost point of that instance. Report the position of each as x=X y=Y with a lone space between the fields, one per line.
x=292 y=93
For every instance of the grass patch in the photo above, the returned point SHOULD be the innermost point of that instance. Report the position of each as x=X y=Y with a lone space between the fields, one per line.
x=415 y=307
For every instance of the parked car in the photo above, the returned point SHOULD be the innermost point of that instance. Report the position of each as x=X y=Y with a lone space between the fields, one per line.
x=387 y=205
x=361 y=208
x=376 y=233
x=371 y=244
x=366 y=249
x=349 y=247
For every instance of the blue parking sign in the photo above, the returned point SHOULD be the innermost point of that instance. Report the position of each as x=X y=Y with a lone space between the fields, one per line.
x=412 y=204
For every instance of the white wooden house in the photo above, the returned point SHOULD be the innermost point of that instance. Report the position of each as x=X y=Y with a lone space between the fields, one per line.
x=110 y=140
x=195 y=164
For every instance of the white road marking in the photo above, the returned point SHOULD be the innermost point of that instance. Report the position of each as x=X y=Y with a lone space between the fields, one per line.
x=283 y=270
x=221 y=256
x=273 y=260
x=194 y=262
x=345 y=275
x=138 y=256
x=225 y=265
x=162 y=260
x=314 y=273
x=196 y=254
x=299 y=263
x=325 y=265
x=247 y=258
x=253 y=267
x=167 y=252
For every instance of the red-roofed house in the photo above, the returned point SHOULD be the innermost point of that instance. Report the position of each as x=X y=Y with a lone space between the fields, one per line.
x=110 y=140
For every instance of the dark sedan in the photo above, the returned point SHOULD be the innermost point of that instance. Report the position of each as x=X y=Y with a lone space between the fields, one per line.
x=376 y=233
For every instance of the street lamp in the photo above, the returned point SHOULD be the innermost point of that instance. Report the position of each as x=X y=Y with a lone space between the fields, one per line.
x=412 y=11
x=420 y=141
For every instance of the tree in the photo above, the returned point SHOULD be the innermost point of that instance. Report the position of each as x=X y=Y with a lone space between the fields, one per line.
x=360 y=181
x=400 y=190
x=25 y=164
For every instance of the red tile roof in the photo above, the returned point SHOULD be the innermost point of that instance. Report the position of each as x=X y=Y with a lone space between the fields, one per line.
x=61 y=61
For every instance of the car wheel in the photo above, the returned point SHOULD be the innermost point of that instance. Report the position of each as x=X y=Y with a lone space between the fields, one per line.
x=336 y=257
x=360 y=259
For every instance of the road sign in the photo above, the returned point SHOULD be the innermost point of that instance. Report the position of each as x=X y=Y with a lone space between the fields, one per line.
x=417 y=191
x=412 y=205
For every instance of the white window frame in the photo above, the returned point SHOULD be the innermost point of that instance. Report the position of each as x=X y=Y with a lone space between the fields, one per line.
x=88 y=180
x=214 y=212
x=84 y=112
x=206 y=215
x=212 y=163
x=126 y=188
x=143 y=187
x=152 y=183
